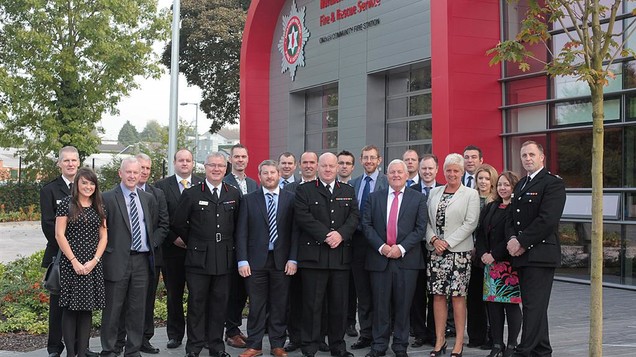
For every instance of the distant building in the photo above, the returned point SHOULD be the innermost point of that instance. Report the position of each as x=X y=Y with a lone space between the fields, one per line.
x=220 y=141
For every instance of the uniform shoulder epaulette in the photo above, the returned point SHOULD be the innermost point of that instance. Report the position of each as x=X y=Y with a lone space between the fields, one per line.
x=555 y=175
x=50 y=182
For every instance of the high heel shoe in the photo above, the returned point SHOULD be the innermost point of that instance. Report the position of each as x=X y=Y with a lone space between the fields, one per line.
x=457 y=354
x=497 y=351
x=441 y=351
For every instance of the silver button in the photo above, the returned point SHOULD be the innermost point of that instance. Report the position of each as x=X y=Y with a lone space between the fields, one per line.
x=518 y=223
x=331 y=222
x=331 y=211
x=518 y=210
x=217 y=226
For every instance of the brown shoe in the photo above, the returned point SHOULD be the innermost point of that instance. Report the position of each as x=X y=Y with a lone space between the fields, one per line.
x=278 y=352
x=237 y=342
x=250 y=352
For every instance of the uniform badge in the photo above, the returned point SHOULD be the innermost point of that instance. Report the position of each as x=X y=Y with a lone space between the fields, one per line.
x=292 y=42
x=203 y=203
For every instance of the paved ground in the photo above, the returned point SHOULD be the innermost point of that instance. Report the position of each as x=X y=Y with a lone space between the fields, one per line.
x=569 y=312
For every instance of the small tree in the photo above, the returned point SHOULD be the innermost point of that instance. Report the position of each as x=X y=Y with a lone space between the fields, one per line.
x=128 y=134
x=588 y=55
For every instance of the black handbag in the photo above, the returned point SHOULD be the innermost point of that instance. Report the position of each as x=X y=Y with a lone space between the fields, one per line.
x=52 y=277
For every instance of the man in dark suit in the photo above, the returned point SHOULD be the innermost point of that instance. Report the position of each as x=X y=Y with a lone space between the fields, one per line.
x=239 y=159
x=287 y=169
x=346 y=165
x=50 y=196
x=327 y=213
x=159 y=235
x=132 y=221
x=174 y=249
x=422 y=323
x=411 y=158
x=266 y=246
x=205 y=219
x=394 y=223
x=473 y=157
x=532 y=228
x=308 y=167
x=371 y=181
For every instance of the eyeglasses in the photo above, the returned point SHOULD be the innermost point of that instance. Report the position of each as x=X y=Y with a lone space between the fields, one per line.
x=345 y=163
x=215 y=166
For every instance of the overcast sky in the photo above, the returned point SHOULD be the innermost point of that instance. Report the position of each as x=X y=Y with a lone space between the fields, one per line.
x=152 y=102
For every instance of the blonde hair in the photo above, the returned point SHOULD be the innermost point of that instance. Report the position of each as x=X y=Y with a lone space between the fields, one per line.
x=493 y=180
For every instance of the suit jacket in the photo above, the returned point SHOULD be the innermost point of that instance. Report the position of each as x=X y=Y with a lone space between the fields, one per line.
x=317 y=213
x=252 y=232
x=418 y=187
x=50 y=196
x=410 y=230
x=381 y=184
x=207 y=225
x=164 y=222
x=251 y=184
x=170 y=188
x=462 y=217
x=534 y=219
x=119 y=231
x=490 y=236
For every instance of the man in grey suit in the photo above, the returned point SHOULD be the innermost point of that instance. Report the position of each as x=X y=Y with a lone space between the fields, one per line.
x=287 y=168
x=129 y=257
x=394 y=223
x=371 y=181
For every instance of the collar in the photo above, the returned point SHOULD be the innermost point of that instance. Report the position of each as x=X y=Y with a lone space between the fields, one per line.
x=143 y=187
x=212 y=187
x=333 y=184
x=289 y=180
x=179 y=178
x=391 y=190
x=275 y=191
x=239 y=178
x=302 y=179
x=66 y=181
x=125 y=189
x=432 y=186
x=374 y=175
x=535 y=173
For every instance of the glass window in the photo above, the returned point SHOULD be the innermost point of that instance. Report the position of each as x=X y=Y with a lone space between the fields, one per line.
x=570 y=86
x=526 y=90
x=514 y=150
x=578 y=112
x=526 y=119
x=420 y=105
x=572 y=152
x=321 y=118
x=630 y=157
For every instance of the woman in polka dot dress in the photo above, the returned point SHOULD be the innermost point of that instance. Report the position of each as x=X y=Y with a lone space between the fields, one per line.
x=80 y=231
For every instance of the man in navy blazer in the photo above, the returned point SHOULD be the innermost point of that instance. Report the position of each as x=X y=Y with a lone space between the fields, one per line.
x=266 y=245
x=394 y=223
x=370 y=159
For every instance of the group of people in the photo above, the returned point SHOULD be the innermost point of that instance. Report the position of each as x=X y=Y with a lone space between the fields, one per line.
x=310 y=251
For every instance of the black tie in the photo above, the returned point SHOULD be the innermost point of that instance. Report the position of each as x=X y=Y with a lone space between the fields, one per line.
x=70 y=187
x=469 y=181
x=427 y=190
x=216 y=197
x=528 y=179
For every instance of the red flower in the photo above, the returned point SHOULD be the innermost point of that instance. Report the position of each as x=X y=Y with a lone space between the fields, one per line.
x=490 y=298
x=515 y=300
x=512 y=279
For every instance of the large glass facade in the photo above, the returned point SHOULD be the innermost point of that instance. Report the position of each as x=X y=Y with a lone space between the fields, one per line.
x=557 y=113
x=408 y=110
x=321 y=119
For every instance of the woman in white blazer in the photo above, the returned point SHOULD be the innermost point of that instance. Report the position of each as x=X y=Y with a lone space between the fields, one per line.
x=453 y=215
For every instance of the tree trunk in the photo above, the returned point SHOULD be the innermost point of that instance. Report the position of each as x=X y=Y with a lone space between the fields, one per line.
x=596 y=257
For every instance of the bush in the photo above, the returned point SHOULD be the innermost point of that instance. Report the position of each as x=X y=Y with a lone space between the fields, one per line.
x=24 y=306
x=15 y=196
x=30 y=214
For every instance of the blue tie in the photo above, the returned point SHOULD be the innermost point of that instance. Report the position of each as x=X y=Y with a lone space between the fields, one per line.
x=271 y=218
x=134 y=223
x=409 y=182
x=427 y=190
x=365 y=194
x=469 y=182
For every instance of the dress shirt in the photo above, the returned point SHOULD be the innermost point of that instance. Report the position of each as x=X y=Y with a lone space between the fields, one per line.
x=331 y=185
x=389 y=200
x=67 y=182
x=212 y=187
x=415 y=179
x=473 y=182
x=140 y=212
x=241 y=182
x=374 y=179
x=179 y=178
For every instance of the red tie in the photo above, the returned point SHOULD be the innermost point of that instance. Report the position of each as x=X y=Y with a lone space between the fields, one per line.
x=391 y=229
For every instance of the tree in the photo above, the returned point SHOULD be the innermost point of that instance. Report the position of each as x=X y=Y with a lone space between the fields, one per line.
x=64 y=63
x=587 y=55
x=128 y=134
x=153 y=132
x=209 y=50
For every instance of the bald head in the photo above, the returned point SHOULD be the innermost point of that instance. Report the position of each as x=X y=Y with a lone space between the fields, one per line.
x=327 y=167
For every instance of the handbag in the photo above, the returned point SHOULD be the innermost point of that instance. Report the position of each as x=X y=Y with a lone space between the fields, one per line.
x=52 y=277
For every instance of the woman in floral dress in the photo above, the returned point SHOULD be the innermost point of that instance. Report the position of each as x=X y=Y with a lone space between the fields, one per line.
x=501 y=282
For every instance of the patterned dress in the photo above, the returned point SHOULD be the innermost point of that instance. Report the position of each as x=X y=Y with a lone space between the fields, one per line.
x=81 y=292
x=449 y=272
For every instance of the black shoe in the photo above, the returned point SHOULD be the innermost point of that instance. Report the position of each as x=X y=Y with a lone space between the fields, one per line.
x=220 y=354
x=90 y=353
x=473 y=344
x=309 y=355
x=374 y=353
x=172 y=343
x=497 y=351
x=351 y=331
x=191 y=354
x=361 y=343
x=119 y=348
x=54 y=354
x=146 y=347
x=292 y=346
x=487 y=345
x=401 y=354
x=417 y=342
x=323 y=347
x=343 y=353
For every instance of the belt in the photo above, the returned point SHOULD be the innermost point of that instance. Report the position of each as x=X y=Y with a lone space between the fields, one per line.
x=136 y=252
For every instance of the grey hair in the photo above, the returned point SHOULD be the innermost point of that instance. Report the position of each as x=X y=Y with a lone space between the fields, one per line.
x=397 y=162
x=215 y=154
x=142 y=156
x=126 y=161
x=454 y=159
x=69 y=149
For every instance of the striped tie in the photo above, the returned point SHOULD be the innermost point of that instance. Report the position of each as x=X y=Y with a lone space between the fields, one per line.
x=271 y=217
x=134 y=223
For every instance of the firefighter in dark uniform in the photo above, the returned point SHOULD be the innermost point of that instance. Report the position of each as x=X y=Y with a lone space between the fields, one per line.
x=205 y=219
x=532 y=227
x=327 y=213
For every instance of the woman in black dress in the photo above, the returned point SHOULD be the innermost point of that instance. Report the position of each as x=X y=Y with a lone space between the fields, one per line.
x=501 y=282
x=80 y=231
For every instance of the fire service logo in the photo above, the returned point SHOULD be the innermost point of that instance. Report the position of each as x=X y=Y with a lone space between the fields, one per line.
x=292 y=43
